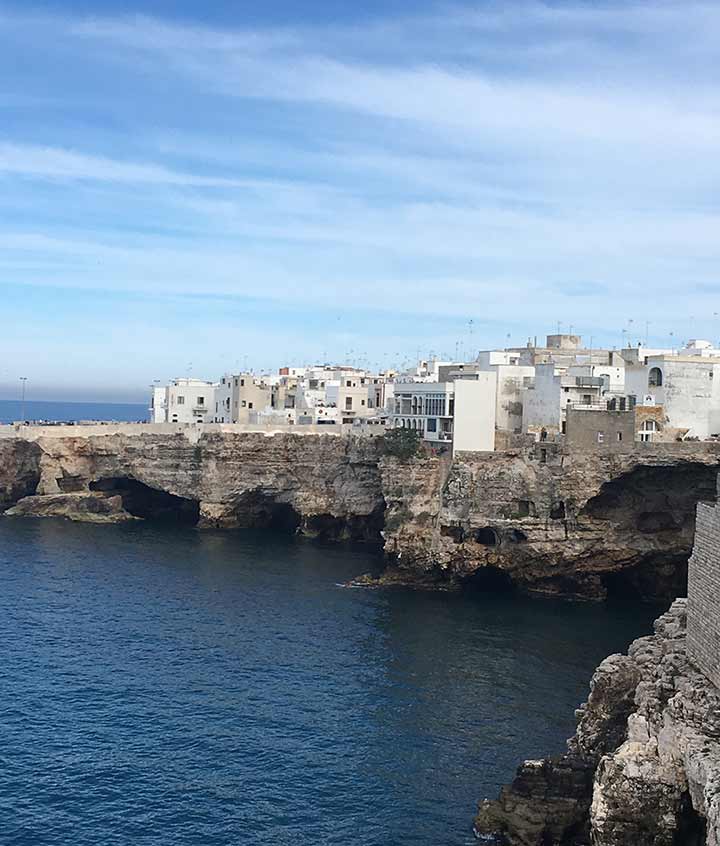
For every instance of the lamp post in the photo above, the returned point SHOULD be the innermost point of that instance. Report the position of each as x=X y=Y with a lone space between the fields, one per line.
x=23 y=380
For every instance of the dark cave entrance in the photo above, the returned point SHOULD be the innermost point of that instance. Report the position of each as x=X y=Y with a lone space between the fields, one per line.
x=141 y=500
x=356 y=528
x=656 y=577
x=655 y=500
x=488 y=579
x=692 y=827
x=654 y=509
x=486 y=536
x=259 y=510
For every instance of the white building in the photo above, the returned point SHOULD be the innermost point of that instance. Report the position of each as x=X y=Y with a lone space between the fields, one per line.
x=223 y=400
x=687 y=387
x=474 y=421
x=511 y=379
x=460 y=412
x=183 y=401
x=546 y=399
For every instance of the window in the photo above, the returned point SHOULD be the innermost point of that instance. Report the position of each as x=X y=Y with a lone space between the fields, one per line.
x=348 y=403
x=242 y=383
x=244 y=404
x=647 y=430
x=201 y=401
x=181 y=400
x=432 y=424
x=250 y=405
x=587 y=399
x=601 y=437
x=619 y=436
x=348 y=384
x=655 y=379
x=362 y=402
x=543 y=456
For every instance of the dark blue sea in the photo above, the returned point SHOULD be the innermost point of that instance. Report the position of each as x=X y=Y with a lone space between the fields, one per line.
x=187 y=688
x=12 y=411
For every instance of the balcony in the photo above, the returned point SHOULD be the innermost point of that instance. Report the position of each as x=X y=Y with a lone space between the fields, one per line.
x=589 y=382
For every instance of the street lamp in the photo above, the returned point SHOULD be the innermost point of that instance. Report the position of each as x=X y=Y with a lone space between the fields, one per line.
x=23 y=380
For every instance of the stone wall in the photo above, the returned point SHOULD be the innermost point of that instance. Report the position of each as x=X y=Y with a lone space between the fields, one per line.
x=600 y=429
x=704 y=593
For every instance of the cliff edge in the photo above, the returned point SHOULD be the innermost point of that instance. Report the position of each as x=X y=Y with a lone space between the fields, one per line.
x=643 y=768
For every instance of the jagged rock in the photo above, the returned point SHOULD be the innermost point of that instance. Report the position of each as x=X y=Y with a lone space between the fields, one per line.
x=19 y=470
x=647 y=749
x=577 y=524
x=81 y=507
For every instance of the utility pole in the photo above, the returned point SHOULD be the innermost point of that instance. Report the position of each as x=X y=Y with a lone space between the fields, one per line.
x=23 y=380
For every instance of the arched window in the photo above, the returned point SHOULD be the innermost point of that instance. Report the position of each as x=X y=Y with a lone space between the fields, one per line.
x=655 y=379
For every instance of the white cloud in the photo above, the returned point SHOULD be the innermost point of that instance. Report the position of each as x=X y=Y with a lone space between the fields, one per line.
x=524 y=158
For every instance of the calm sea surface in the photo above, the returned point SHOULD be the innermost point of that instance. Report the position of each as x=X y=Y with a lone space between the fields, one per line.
x=177 y=687
x=12 y=410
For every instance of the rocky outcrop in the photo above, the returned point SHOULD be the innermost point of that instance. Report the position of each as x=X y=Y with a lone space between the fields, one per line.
x=550 y=521
x=322 y=485
x=81 y=507
x=643 y=768
x=19 y=470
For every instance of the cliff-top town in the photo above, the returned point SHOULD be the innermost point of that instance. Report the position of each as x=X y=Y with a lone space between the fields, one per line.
x=587 y=397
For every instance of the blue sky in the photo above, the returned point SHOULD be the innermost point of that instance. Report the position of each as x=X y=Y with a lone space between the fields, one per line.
x=249 y=184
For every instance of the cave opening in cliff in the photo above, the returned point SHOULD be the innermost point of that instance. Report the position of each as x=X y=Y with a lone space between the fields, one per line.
x=655 y=499
x=516 y=536
x=651 y=511
x=357 y=528
x=691 y=827
x=457 y=533
x=141 y=500
x=489 y=579
x=487 y=536
x=558 y=511
x=656 y=576
x=260 y=510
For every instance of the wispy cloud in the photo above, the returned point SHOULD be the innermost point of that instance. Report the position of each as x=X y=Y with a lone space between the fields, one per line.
x=540 y=160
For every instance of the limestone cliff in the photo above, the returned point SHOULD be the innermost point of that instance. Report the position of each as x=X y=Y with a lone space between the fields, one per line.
x=19 y=470
x=321 y=485
x=643 y=768
x=540 y=517
x=548 y=520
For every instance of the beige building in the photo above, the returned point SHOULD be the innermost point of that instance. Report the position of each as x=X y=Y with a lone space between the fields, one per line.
x=249 y=394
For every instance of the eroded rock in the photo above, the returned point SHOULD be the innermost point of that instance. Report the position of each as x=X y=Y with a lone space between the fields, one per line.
x=643 y=768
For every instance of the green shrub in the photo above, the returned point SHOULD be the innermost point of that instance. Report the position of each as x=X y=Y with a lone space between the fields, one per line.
x=402 y=443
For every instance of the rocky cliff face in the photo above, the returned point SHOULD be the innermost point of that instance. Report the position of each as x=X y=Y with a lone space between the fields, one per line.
x=19 y=470
x=549 y=521
x=643 y=768
x=322 y=485
x=539 y=518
